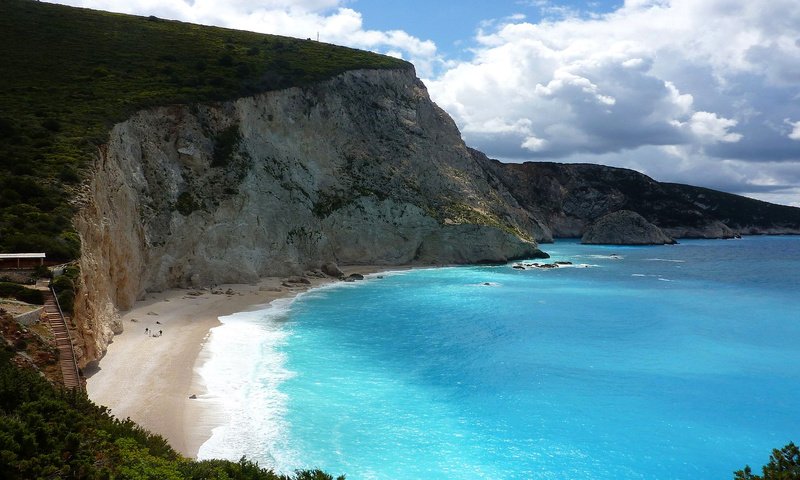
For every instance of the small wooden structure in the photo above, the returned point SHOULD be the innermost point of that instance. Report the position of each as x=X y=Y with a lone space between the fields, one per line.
x=21 y=260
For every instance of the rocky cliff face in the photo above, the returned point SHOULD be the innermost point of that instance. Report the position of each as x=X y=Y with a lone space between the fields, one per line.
x=624 y=227
x=570 y=197
x=361 y=169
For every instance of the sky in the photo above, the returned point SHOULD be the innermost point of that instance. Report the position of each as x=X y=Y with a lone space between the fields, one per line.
x=704 y=92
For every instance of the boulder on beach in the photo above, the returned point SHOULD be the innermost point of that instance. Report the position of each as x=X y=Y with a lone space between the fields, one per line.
x=298 y=279
x=331 y=269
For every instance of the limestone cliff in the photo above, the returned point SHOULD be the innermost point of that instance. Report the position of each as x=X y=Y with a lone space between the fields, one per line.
x=360 y=169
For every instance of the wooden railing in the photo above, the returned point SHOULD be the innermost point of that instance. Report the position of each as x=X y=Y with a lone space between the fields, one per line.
x=58 y=322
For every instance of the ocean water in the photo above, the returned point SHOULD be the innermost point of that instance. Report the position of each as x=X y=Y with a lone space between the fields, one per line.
x=669 y=362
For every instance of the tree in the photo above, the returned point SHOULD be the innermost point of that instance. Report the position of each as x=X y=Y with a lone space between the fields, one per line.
x=784 y=464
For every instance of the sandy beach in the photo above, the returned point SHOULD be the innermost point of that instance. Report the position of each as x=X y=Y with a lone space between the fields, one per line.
x=150 y=377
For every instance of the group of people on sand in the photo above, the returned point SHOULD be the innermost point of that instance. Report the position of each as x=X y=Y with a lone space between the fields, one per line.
x=153 y=333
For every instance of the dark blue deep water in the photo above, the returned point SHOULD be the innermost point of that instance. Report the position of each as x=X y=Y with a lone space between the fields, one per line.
x=673 y=362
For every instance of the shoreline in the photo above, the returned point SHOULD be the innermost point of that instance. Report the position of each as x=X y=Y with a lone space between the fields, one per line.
x=150 y=379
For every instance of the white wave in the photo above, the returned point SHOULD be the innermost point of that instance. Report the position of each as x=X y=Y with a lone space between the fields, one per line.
x=612 y=256
x=243 y=372
x=540 y=266
x=670 y=260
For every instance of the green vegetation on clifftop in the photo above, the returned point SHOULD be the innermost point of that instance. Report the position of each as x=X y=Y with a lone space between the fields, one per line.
x=68 y=74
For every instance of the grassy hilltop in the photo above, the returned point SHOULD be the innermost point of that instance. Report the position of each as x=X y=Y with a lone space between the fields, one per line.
x=68 y=74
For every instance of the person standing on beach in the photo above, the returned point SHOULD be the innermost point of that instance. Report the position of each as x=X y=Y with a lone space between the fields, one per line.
x=146 y=330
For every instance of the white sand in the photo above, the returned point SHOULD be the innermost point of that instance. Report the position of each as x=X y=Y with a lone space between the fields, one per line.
x=150 y=379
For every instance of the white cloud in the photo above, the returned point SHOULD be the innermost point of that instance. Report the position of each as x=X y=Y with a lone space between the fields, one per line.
x=708 y=127
x=709 y=80
x=795 y=133
x=534 y=144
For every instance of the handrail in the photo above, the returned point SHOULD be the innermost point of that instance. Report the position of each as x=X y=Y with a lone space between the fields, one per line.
x=69 y=337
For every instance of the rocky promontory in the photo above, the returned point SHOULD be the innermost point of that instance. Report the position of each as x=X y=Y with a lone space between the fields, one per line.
x=568 y=198
x=625 y=227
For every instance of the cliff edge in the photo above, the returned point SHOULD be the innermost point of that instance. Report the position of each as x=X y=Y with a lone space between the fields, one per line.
x=360 y=169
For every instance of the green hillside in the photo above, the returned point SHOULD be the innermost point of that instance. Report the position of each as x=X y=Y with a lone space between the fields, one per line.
x=67 y=75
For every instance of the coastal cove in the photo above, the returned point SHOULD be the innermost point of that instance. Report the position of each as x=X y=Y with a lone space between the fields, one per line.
x=254 y=256
x=150 y=377
x=633 y=362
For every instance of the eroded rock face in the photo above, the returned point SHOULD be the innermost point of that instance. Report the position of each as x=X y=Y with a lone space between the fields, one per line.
x=362 y=169
x=625 y=227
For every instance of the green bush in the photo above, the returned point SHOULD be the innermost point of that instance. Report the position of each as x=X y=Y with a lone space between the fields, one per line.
x=66 y=286
x=72 y=272
x=185 y=204
x=62 y=282
x=66 y=300
x=225 y=144
x=42 y=271
x=784 y=464
x=21 y=293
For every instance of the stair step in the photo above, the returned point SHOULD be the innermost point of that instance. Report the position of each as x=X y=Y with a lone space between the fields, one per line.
x=59 y=324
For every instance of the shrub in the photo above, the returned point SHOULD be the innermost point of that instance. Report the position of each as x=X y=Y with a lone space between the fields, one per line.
x=21 y=293
x=52 y=124
x=66 y=299
x=784 y=464
x=65 y=288
x=185 y=204
x=225 y=60
x=72 y=272
x=242 y=70
x=225 y=144
x=62 y=282
x=68 y=175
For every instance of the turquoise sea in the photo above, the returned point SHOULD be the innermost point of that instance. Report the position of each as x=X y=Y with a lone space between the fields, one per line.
x=669 y=362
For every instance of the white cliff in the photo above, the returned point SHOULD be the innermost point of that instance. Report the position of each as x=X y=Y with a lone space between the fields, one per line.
x=361 y=169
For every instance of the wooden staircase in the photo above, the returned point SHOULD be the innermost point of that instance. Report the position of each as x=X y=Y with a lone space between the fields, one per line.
x=58 y=323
